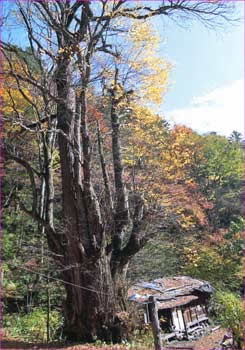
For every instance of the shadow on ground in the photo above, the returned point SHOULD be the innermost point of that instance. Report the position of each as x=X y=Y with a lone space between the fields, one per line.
x=9 y=344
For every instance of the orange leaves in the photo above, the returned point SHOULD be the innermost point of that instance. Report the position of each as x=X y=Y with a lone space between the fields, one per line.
x=94 y=114
x=95 y=117
x=186 y=204
x=159 y=163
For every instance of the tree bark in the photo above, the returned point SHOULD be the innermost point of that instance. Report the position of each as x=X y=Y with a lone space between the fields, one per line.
x=92 y=298
x=90 y=310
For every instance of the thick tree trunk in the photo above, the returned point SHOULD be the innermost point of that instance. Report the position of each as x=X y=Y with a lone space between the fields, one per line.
x=91 y=293
x=92 y=303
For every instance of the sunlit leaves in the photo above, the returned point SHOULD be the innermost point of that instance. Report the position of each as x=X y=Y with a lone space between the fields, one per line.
x=159 y=162
x=13 y=101
x=220 y=176
x=184 y=153
x=153 y=69
x=223 y=159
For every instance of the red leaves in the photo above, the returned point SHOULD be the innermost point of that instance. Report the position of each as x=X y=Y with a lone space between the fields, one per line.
x=94 y=114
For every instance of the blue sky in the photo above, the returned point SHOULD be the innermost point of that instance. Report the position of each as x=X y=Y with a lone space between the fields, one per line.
x=206 y=89
x=206 y=85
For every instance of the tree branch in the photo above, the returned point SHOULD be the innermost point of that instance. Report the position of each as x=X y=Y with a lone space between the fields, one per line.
x=121 y=210
x=104 y=171
x=208 y=12
x=7 y=155
x=52 y=236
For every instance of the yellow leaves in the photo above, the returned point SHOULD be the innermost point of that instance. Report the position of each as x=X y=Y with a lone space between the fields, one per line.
x=146 y=137
x=61 y=50
x=17 y=97
x=12 y=99
x=69 y=52
x=153 y=69
x=183 y=149
x=143 y=33
x=154 y=82
x=159 y=161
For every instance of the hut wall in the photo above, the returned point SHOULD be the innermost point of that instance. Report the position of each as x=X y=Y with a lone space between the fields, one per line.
x=177 y=318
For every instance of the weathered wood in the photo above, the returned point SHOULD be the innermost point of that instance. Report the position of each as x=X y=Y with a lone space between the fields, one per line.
x=183 y=315
x=189 y=324
x=169 y=336
x=156 y=330
x=48 y=310
x=215 y=328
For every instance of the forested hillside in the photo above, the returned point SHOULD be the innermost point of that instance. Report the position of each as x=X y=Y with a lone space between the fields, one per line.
x=98 y=190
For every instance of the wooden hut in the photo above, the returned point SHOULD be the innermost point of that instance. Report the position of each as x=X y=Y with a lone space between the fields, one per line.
x=182 y=304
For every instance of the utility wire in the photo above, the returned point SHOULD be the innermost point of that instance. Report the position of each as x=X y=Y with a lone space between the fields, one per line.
x=57 y=279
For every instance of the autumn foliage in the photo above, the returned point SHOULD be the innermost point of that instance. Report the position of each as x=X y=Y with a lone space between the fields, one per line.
x=99 y=172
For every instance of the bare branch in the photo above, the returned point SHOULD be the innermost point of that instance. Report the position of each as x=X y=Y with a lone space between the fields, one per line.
x=104 y=171
x=24 y=78
x=7 y=155
x=210 y=13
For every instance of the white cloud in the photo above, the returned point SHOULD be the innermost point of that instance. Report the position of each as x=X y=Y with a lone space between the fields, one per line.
x=220 y=110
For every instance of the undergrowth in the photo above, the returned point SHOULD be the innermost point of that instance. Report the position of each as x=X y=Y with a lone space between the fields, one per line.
x=32 y=327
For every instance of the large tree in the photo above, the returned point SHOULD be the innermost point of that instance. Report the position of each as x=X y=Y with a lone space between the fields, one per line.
x=95 y=240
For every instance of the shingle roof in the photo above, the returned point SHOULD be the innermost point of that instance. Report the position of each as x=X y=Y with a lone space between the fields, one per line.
x=176 y=302
x=169 y=291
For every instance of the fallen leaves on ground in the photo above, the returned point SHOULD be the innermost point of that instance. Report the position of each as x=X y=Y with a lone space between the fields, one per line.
x=204 y=343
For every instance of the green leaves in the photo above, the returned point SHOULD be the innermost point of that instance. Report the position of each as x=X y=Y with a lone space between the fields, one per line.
x=218 y=258
x=223 y=161
x=32 y=327
x=220 y=177
x=230 y=313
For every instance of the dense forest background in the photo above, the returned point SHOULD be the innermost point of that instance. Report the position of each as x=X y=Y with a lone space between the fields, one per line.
x=201 y=235
x=98 y=191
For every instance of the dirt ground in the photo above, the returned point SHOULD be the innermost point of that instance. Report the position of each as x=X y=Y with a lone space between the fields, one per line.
x=204 y=343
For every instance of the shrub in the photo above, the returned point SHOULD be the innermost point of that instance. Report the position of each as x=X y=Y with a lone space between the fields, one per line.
x=32 y=327
x=230 y=313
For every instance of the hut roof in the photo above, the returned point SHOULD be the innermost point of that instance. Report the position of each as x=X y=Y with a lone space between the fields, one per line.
x=169 y=291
